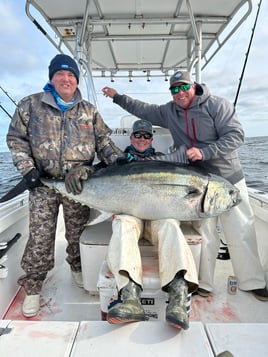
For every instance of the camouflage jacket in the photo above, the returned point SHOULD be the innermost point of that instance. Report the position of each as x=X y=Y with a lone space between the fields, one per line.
x=40 y=135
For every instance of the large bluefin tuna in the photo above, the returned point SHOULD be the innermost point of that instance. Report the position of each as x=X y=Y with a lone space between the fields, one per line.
x=155 y=190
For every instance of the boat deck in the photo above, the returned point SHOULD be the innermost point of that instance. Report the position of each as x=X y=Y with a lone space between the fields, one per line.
x=96 y=338
x=69 y=323
x=62 y=300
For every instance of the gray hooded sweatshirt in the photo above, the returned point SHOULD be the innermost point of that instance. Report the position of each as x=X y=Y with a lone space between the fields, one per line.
x=209 y=124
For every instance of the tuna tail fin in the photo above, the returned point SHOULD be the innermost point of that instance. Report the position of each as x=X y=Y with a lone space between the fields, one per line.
x=15 y=191
x=103 y=216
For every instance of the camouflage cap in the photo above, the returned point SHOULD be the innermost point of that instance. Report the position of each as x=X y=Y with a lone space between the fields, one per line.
x=142 y=125
x=180 y=76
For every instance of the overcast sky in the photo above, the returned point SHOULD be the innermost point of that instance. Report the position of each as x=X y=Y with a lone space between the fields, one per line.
x=25 y=55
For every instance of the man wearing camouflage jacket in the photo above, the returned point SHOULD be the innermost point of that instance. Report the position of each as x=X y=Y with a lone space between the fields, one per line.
x=55 y=134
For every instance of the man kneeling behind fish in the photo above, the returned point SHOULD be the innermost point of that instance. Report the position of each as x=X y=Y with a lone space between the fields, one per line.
x=177 y=269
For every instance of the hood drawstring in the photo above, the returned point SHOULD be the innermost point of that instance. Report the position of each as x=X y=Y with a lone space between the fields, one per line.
x=192 y=140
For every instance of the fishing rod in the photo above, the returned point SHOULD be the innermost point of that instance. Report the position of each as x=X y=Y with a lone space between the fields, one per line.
x=6 y=93
x=10 y=116
x=12 y=100
x=246 y=59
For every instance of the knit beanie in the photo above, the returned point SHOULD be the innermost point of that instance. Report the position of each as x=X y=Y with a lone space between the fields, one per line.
x=63 y=62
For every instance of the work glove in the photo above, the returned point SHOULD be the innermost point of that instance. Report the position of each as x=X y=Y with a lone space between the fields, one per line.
x=32 y=179
x=73 y=179
x=178 y=156
x=126 y=159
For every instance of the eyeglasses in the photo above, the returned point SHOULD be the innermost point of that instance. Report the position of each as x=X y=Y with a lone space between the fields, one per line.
x=184 y=87
x=146 y=136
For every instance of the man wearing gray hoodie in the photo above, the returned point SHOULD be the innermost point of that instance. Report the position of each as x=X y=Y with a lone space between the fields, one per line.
x=209 y=128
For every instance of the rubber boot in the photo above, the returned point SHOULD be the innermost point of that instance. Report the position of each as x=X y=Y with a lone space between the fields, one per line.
x=176 y=312
x=130 y=309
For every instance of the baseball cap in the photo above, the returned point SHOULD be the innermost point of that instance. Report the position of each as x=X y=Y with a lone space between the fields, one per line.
x=142 y=125
x=180 y=76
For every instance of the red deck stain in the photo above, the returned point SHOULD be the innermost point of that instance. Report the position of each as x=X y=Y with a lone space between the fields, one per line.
x=47 y=309
x=212 y=309
x=46 y=334
x=14 y=310
x=227 y=311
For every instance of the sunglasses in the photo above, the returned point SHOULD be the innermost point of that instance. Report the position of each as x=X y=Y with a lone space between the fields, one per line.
x=184 y=87
x=146 y=136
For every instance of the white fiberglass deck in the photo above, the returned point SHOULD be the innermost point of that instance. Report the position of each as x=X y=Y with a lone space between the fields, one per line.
x=69 y=323
x=97 y=338
x=62 y=300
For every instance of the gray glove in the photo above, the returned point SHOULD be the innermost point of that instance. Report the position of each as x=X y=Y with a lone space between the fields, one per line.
x=73 y=179
x=178 y=156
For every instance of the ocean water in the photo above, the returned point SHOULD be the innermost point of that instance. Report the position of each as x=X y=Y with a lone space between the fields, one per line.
x=254 y=159
x=253 y=155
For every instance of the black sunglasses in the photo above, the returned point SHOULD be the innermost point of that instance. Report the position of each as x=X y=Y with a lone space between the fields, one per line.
x=146 y=136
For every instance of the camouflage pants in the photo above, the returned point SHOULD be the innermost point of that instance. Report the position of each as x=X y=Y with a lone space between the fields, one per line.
x=38 y=256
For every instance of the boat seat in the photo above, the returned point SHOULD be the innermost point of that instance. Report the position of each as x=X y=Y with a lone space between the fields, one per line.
x=93 y=248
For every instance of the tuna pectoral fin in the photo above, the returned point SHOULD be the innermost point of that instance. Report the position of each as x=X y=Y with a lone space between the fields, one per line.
x=103 y=216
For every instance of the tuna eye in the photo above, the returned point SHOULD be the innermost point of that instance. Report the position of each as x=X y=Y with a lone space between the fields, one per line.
x=192 y=192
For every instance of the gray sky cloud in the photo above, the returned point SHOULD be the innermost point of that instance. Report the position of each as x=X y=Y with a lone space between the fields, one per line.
x=25 y=55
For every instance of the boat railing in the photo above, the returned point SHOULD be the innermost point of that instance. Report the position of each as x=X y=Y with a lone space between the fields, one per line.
x=261 y=197
x=13 y=210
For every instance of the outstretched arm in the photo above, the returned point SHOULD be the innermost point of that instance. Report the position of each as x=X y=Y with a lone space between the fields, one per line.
x=109 y=92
